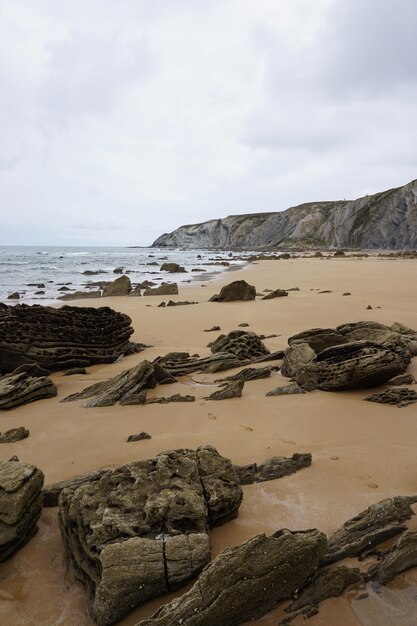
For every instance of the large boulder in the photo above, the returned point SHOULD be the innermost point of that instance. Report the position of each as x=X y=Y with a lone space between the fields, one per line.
x=61 y=338
x=119 y=287
x=242 y=343
x=173 y=268
x=169 y=289
x=142 y=529
x=245 y=582
x=237 y=290
x=20 y=505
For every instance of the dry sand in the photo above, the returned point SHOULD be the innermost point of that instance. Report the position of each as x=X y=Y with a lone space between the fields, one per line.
x=362 y=452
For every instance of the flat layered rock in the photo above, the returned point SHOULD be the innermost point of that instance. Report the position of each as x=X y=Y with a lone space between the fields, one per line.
x=181 y=363
x=20 y=505
x=143 y=528
x=17 y=389
x=398 y=396
x=249 y=373
x=246 y=582
x=175 y=398
x=275 y=467
x=59 y=339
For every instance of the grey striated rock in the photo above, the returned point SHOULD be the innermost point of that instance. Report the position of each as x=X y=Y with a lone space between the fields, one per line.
x=250 y=373
x=20 y=505
x=14 y=434
x=232 y=390
x=17 y=389
x=170 y=289
x=61 y=338
x=175 y=398
x=237 y=290
x=126 y=388
x=318 y=338
x=181 y=363
x=119 y=287
x=376 y=524
x=244 y=344
x=143 y=529
x=296 y=356
x=386 y=220
x=401 y=557
x=246 y=582
x=398 y=396
x=286 y=390
x=275 y=467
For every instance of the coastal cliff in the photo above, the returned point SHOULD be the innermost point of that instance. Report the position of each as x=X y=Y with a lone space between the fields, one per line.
x=386 y=220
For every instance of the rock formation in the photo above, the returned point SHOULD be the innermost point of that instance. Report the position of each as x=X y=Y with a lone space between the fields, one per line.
x=277 y=293
x=14 y=434
x=61 y=338
x=245 y=582
x=21 y=388
x=237 y=290
x=275 y=467
x=20 y=505
x=119 y=287
x=242 y=343
x=398 y=396
x=142 y=529
x=170 y=289
x=386 y=220
x=173 y=268
x=228 y=391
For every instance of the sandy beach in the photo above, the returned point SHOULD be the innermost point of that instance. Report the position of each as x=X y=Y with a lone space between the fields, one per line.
x=362 y=452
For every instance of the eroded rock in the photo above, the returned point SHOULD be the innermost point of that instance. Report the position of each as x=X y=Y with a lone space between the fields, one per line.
x=14 y=434
x=237 y=290
x=275 y=467
x=232 y=390
x=17 y=389
x=397 y=396
x=244 y=344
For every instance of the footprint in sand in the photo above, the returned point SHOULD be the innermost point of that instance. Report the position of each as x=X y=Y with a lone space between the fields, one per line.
x=369 y=482
x=211 y=416
x=247 y=428
x=288 y=441
x=334 y=458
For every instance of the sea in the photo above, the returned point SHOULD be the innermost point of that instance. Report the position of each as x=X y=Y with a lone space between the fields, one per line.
x=37 y=273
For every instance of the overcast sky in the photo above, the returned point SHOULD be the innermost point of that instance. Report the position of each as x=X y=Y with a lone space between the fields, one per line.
x=121 y=120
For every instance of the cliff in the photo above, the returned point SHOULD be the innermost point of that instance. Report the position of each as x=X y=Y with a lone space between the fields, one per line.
x=386 y=220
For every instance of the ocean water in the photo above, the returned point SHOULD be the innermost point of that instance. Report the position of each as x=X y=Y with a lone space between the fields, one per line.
x=23 y=268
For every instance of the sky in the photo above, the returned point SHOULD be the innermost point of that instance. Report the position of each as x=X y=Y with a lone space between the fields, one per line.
x=120 y=121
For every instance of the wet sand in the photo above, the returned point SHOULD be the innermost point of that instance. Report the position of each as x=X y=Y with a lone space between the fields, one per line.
x=362 y=452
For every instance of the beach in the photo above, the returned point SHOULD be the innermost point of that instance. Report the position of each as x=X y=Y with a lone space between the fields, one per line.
x=362 y=452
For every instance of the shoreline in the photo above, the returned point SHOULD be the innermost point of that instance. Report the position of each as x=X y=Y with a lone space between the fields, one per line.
x=353 y=443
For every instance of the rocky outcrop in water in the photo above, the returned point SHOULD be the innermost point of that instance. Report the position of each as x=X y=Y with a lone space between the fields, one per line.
x=246 y=582
x=20 y=505
x=386 y=220
x=59 y=339
x=143 y=529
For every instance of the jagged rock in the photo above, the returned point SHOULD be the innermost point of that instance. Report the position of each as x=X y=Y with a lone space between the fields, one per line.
x=286 y=390
x=14 y=296
x=75 y=370
x=61 y=338
x=125 y=388
x=175 y=398
x=17 y=389
x=277 y=293
x=163 y=290
x=139 y=437
x=376 y=524
x=296 y=356
x=142 y=529
x=327 y=583
x=173 y=268
x=233 y=390
x=244 y=344
x=14 y=458
x=401 y=557
x=403 y=379
x=212 y=329
x=318 y=338
x=275 y=467
x=398 y=396
x=119 y=287
x=14 y=434
x=250 y=373
x=51 y=492
x=237 y=290
x=245 y=582
x=20 y=505
x=79 y=295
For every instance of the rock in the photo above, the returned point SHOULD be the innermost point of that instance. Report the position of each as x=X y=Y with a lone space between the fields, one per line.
x=181 y=303
x=376 y=524
x=250 y=373
x=244 y=344
x=135 y=293
x=125 y=388
x=401 y=557
x=173 y=268
x=246 y=582
x=402 y=379
x=175 y=398
x=278 y=293
x=233 y=390
x=75 y=370
x=368 y=307
x=78 y=295
x=339 y=253
x=139 y=437
x=20 y=505
x=297 y=355
x=61 y=338
x=319 y=338
x=170 y=289
x=14 y=434
x=14 y=296
x=212 y=329
x=93 y=272
x=17 y=389
x=14 y=458
x=347 y=293
x=243 y=325
x=119 y=287
x=181 y=364
x=64 y=288
x=398 y=396
x=142 y=529
x=237 y=290
x=39 y=293
x=32 y=369
x=275 y=467
x=51 y=492
x=286 y=390
x=118 y=270
x=327 y=583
